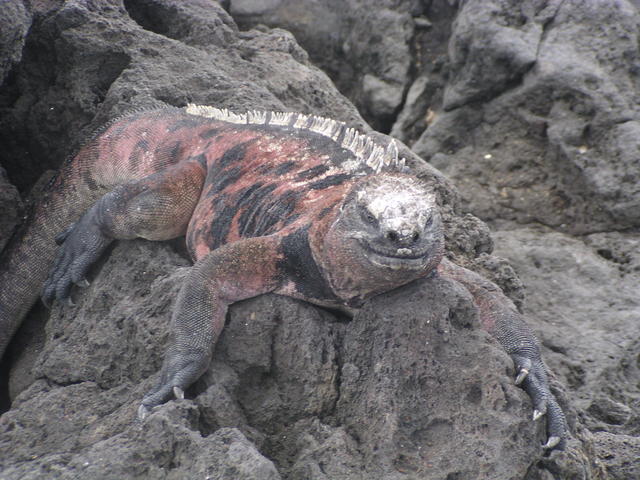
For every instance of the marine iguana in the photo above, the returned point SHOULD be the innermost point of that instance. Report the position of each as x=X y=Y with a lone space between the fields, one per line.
x=269 y=202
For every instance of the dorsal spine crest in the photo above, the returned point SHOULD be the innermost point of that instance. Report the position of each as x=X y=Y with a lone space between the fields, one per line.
x=365 y=149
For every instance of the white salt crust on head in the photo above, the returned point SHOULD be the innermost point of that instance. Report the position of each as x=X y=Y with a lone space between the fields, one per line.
x=397 y=197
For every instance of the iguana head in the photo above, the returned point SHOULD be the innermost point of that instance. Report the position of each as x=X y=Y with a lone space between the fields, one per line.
x=388 y=232
x=394 y=220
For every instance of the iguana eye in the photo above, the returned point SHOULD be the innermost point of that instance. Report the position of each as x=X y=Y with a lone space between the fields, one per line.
x=368 y=217
x=429 y=222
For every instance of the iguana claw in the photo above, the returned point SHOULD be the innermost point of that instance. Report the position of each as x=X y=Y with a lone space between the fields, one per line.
x=143 y=412
x=552 y=442
x=523 y=367
x=522 y=375
x=179 y=393
x=178 y=372
x=537 y=414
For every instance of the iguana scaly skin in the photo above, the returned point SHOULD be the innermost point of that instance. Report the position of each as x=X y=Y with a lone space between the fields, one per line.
x=269 y=202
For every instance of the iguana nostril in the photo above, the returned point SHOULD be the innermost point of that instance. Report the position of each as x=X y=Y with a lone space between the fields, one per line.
x=404 y=237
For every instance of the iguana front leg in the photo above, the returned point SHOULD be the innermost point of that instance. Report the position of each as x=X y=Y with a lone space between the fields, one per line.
x=499 y=316
x=233 y=272
x=157 y=207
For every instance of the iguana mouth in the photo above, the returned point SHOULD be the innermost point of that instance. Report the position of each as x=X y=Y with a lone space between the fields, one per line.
x=401 y=258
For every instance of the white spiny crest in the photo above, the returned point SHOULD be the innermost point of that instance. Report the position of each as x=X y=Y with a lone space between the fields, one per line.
x=301 y=121
x=280 y=118
x=391 y=152
x=255 y=117
x=366 y=150
x=217 y=113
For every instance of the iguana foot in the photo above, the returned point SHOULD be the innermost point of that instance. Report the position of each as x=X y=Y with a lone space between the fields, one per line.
x=144 y=411
x=532 y=376
x=82 y=243
x=178 y=372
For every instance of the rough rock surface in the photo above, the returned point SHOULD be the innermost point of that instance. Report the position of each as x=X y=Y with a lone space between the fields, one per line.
x=601 y=305
x=385 y=395
x=539 y=120
x=527 y=105
x=15 y=21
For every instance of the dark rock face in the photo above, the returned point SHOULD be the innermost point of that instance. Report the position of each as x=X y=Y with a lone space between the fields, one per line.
x=15 y=20
x=366 y=51
x=529 y=106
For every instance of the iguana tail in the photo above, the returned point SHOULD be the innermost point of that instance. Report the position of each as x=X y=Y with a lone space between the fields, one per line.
x=26 y=260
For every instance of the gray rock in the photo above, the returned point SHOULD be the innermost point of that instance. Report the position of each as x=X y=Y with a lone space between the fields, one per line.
x=413 y=377
x=178 y=450
x=199 y=23
x=383 y=98
x=490 y=33
x=170 y=440
x=364 y=48
x=96 y=364
x=285 y=355
x=540 y=121
x=622 y=249
x=585 y=311
x=431 y=66
x=15 y=21
x=93 y=350
x=252 y=7
x=414 y=116
x=408 y=385
x=324 y=452
x=11 y=207
x=618 y=454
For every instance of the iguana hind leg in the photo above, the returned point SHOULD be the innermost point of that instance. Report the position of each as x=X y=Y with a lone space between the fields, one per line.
x=157 y=207
x=233 y=272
